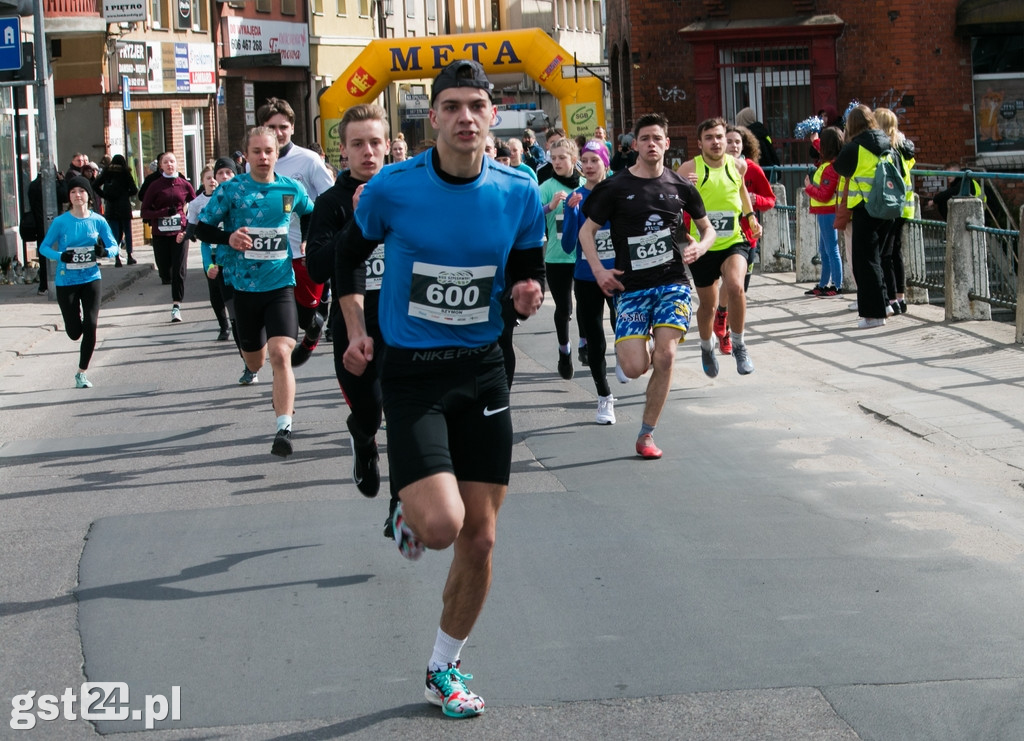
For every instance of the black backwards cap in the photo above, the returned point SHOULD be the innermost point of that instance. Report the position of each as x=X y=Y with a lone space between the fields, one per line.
x=461 y=73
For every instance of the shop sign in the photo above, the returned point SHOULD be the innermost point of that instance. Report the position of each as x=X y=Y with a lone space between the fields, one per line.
x=417 y=106
x=123 y=11
x=166 y=67
x=132 y=65
x=247 y=36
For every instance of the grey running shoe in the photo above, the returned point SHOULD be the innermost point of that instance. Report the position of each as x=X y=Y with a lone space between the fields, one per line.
x=744 y=365
x=709 y=361
x=248 y=378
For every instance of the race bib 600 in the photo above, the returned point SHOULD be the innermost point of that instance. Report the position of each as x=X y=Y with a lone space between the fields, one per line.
x=451 y=295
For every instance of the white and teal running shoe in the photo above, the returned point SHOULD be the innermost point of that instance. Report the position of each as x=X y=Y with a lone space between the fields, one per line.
x=447 y=689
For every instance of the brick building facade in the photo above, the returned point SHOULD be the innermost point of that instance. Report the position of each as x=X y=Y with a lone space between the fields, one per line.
x=789 y=58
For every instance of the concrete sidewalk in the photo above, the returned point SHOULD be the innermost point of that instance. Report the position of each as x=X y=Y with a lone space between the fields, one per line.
x=28 y=317
x=951 y=383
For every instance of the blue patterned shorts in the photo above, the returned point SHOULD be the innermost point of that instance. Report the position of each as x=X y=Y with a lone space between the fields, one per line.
x=640 y=312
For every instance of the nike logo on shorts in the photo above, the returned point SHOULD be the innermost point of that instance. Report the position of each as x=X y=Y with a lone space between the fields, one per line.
x=491 y=412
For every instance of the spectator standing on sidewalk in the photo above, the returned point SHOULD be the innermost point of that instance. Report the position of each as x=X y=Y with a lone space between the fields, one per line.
x=892 y=244
x=823 y=190
x=865 y=143
x=35 y=201
x=116 y=185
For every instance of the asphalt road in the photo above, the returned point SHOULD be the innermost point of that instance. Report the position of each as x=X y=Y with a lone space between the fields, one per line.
x=794 y=568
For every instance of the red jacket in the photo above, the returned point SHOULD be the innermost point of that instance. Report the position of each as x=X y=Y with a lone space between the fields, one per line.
x=824 y=190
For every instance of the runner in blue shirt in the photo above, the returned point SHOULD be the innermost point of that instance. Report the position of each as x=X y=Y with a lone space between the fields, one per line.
x=77 y=239
x=454 y=224
x=256 y=210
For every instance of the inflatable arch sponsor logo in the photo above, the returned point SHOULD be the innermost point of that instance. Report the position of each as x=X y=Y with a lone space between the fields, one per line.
x=529 y=51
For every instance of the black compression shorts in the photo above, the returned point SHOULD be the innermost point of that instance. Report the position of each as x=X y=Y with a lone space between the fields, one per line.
x=708 y=267
x=262 y=315
x=447 y=411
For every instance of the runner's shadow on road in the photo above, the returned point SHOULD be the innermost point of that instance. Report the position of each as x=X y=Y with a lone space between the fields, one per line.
x=344 y=728
x=161 y=589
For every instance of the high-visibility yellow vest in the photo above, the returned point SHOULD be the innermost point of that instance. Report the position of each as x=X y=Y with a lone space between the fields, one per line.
x=909 y=211
x=816 y=179
x=863 y=176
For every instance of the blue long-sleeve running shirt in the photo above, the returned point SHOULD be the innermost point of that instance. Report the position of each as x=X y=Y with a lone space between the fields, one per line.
x=68 y=232
x=446 y=249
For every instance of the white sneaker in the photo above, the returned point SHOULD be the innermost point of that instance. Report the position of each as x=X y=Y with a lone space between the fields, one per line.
x=869 y=323
x=853 y=306
x=605 y=410
x=619 y=373
x=175 y=314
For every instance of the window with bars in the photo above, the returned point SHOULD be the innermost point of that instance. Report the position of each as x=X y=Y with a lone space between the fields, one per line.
x=775 y=81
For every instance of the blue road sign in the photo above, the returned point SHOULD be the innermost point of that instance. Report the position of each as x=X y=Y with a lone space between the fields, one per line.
x=126 y=93
x=10 y=43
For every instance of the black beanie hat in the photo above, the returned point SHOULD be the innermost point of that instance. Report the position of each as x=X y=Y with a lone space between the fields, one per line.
x=224 y=163
x=80 y=182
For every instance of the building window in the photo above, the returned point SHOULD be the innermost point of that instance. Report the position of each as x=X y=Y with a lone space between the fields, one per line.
x=146 y=140
x=364 y=8
x=773 y=80
x=431 y=10
x=410 y=8
x=998 y=66
x=318 y=7
x=287 y=7
x=342 y=7
x=263 y=6
x=157 y=18
x=187 y=15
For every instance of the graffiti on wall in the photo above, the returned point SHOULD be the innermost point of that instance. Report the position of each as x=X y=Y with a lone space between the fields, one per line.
x=894 y=101
x=673 y=94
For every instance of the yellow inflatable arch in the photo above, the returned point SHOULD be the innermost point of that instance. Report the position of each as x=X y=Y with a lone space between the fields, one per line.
x=529 y=50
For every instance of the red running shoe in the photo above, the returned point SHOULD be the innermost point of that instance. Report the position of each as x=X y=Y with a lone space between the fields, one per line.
x=645 y=447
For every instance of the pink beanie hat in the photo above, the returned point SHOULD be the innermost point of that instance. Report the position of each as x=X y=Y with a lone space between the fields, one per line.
x=596 y=146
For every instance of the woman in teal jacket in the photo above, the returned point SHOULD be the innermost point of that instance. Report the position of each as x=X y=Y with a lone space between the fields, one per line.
x=77 y=239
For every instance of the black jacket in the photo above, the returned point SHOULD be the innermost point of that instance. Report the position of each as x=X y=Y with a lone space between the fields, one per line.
x=873 y=140
x=35 y=201
x=117 y=186
x=331 y=212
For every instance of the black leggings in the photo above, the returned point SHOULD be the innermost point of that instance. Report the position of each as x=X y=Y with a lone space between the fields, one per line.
x=80 y=307
x=590 y=303
x=361 y=392
x=559 y=276
x=171 y=259
x=220 y=309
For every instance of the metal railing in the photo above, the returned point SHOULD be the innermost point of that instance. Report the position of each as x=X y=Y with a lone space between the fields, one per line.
x=985 y=263
x=1000 y=269
x=925 y=264
x=53 y=8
